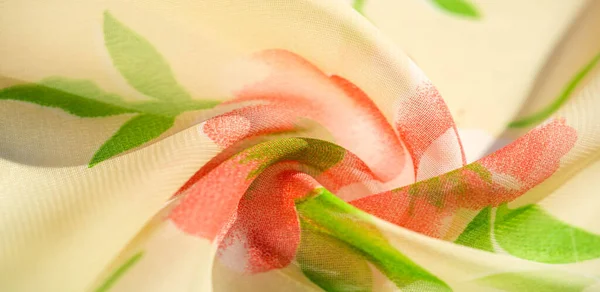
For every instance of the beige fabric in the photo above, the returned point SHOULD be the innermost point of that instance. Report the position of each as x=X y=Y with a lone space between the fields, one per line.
x=65 y=226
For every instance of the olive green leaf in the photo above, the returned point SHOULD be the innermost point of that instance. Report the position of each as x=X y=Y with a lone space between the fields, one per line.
x=140 y=63
x=531 y=233
x=347 y=224
x=331 y=263
x=79 y=105
x=458 y=7
x=133 y=133
x=319 y=154
x=539 y=281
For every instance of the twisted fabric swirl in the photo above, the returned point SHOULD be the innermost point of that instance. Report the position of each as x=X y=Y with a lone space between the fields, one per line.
x=272 y=146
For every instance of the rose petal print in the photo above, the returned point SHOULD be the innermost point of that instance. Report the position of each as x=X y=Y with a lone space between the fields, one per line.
x=237 y=173
x=286 y=106
x=248 y=122
x=266 y=226
x=293 y=82
x=254 y=202
x=533 y=157
x=206 y=206
x=493 y=180
x=398 y=207
x=425 y=207
x=423 y=118
x=444 y=154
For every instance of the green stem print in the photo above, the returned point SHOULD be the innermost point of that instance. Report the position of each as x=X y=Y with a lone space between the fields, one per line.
x=531 y=233
x=144 y=68
x=327 y=219
x=560 y=100
x=119 y=272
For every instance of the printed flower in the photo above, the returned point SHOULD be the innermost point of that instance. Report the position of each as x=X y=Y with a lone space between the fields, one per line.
x=248 y=197
x=358 y=188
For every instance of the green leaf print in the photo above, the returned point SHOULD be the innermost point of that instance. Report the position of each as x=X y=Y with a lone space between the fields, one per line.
x=140 y=63
x=531 y=233
x=88 y=90
x=331 y=263
x=342 y=221
x=539 y=281
x=458 y=7
x=359 y=5
x=477 y=234
x=143 y=67
x=133 y=133
x=83 y=88
x=78 y=105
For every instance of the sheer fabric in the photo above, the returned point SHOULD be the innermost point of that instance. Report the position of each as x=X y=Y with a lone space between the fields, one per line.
x=287 y=145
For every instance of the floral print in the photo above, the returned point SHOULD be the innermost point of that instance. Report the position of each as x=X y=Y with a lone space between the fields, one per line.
x=306 y=174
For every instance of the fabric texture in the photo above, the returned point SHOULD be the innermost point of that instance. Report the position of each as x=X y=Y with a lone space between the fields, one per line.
x=299 y=145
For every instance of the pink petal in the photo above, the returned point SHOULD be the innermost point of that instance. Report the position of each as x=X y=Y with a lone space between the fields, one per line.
x=421 y=119
x=346 y=111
